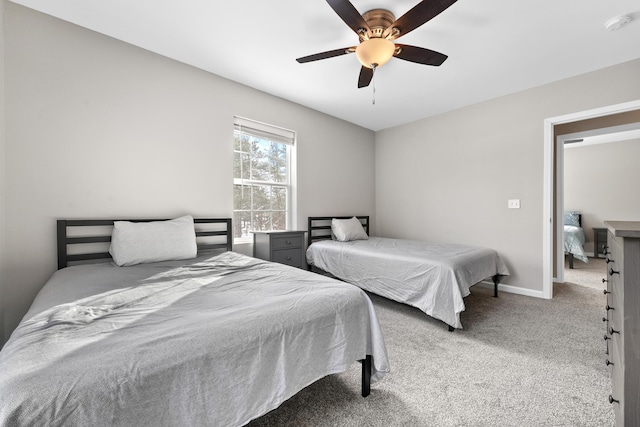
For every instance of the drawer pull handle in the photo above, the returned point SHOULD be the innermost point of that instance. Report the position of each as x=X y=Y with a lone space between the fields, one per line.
x=606 y=292
x=604 y=280
x=613 y=331
x=612 y=400
x=604 y=319
x=612 y=272
x=608 y=260
x=609 y=363
x=608 y=307
x=606 y=337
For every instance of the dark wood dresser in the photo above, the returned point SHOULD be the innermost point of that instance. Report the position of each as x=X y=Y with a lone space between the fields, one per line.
x=623 y=319
x=285 y=247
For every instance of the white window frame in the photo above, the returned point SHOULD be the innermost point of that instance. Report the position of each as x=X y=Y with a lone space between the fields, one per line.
x=274 y=134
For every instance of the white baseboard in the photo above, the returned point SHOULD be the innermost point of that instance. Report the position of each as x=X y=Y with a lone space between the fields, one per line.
x=513 y=290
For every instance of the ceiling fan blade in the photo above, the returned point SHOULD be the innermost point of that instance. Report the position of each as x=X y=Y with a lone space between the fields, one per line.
x=325 y=55
x=366 y=74
x=421 y=13
x=349 y=15
x=419 y=55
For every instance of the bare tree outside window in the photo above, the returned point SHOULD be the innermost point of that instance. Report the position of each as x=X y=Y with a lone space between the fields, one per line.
x=261 y=172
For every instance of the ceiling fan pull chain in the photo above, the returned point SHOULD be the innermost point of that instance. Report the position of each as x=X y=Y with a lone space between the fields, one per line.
x=373 y=81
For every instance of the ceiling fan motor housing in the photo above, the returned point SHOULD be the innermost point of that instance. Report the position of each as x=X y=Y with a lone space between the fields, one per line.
x=378 y=21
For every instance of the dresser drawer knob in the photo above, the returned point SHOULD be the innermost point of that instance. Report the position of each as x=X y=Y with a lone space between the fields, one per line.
x=612 y=272
x=604 y=280
x=604 y=319
x=612 y=400
x=288 y=258
x=605 y=250
x=609 y=363
x=606 y=292
x=608 y=307
x=288 y=242
x=613 y=331
x=608 y=260
x=606 y=337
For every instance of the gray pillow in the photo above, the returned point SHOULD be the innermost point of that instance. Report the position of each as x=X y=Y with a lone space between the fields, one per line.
x=345 y=230
x=572 y=218
x=141 y=242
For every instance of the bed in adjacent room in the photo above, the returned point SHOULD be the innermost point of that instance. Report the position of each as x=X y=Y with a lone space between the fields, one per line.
x=178 y=335
x=574 y=237
x=434 y=277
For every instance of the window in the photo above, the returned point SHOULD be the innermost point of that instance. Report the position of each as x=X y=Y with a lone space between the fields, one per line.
x=262 y=178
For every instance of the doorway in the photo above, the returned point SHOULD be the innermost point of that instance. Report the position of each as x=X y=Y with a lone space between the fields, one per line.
x=586 y=121
x=581 y=159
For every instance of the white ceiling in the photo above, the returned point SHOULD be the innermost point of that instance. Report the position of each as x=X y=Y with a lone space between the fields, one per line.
x=495 y=47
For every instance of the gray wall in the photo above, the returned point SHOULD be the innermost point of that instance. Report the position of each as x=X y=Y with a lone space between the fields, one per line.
x=588 y=174
x=447 y=178
x=100 y=128
x=2 y=169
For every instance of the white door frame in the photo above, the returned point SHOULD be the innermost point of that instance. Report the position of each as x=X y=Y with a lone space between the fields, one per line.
x=548 y=202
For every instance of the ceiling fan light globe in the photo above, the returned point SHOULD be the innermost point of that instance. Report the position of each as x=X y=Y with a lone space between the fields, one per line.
x=375 y=52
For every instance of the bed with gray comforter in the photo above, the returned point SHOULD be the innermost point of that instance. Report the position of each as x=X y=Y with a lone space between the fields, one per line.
x=434 y=277
x=212 y=341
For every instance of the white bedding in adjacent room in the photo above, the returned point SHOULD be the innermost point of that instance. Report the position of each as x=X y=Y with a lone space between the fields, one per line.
x=211 y=341
x=574 y=239
x=434 y=277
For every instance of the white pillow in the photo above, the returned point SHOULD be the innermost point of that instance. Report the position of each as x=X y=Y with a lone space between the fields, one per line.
x=345 y=230
x=140 y=242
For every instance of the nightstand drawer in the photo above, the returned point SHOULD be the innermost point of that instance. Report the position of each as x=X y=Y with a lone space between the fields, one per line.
x=292 y=257
x=283 y=242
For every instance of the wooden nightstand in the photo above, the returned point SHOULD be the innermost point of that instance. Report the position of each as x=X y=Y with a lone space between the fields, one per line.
x=285 y=247
x=599 y=241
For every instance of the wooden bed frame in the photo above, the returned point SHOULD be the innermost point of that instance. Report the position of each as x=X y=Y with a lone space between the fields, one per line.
x=101 y=229
x=101 y=233
x=323 y=232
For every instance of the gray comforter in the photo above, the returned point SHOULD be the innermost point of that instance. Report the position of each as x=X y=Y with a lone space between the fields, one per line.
x=573 y=242
x=434 y=277
x=217 y=342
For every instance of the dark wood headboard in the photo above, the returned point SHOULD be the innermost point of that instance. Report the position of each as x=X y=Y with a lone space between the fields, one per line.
x=100 y=233
x=319 y=227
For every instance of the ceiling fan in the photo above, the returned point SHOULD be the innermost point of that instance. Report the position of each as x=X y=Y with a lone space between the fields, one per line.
x=377 y=29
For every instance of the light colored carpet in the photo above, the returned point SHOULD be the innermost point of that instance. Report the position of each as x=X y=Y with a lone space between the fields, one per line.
x=519 y=361
x=586 y=274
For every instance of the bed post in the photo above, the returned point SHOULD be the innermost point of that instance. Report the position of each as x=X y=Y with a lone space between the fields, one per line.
x=366 y=375
x=309 y=239
x=496 y=281
x=61 y=227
